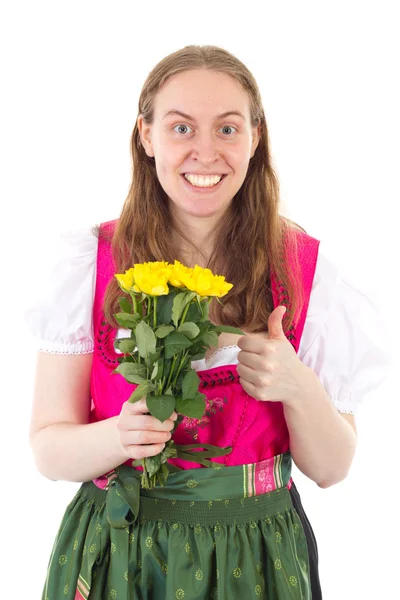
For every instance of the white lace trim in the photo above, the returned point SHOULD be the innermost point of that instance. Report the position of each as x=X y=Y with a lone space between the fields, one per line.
x=234 y=346
x=344 y=405
x=59 y=348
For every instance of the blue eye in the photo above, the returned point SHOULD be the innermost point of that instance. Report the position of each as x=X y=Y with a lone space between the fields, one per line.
x=228 y=127
x=183 y=125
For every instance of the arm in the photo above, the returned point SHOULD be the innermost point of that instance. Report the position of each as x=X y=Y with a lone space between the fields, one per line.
x=65 y=446
x=322 y=440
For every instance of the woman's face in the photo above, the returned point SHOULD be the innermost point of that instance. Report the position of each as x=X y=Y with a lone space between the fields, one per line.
x=203 y=139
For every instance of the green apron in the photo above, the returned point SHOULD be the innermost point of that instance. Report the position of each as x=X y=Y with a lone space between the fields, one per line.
x=205 y=534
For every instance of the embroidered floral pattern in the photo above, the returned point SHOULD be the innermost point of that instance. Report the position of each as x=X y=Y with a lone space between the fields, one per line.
x=191 y=425
x=104 y=345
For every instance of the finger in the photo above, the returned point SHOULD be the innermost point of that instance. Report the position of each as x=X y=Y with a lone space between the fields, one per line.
x=137 y=407
x=248 y=387
x=139 y=422
x=260 y=379
x=140 y=407
x=252 y=360
x=251 y=343
x=247 y=374
x=137 y=452
x=129 y=438
x=257 y=345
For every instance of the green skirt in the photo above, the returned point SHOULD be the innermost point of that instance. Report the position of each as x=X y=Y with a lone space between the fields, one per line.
x=208 y=533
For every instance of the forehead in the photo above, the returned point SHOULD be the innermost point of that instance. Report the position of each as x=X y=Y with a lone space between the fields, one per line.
x=201 y=92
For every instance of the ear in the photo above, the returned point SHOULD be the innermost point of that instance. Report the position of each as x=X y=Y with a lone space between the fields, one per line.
x=145 y=136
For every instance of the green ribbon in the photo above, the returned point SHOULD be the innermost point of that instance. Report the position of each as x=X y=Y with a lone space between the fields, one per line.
x=122 y=502
x=184 y=453
x=123 y=495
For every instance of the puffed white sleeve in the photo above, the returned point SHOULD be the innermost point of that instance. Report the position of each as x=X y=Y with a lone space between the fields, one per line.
x=345 y=341
x=60 y=318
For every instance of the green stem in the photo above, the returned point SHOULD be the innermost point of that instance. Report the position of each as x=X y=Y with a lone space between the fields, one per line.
x=172 y=371
x=180 y=367
x=163 y=368
x=140 y=307
x=145 y=479
x=155 y=312
x=134 y=301
x=185 y=313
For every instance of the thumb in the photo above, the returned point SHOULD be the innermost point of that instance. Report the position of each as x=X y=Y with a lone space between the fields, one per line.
x=275 y=328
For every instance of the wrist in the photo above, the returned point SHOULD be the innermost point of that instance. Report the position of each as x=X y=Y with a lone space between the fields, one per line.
x=120 y=450
x=307 y=387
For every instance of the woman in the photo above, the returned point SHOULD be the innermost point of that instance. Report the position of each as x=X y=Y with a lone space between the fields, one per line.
x=204 y=192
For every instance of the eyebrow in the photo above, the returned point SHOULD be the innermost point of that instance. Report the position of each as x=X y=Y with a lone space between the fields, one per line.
x=221 y=116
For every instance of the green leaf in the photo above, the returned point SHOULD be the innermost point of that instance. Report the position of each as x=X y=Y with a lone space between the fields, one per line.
x=210 y=338
x=164 y=308
x=142 y=389
x=125 y=345
x=125 y=359
x=152 y=358
x=205 y=305
x=161 y=407
x=127 y=320
x=164 y=330
x=190 y=384
x=157 y=372
x=190 y=330
x=174 y=343
x=125 y=304
x=153 y=463
x=227 y=329
x=190 y=407
x=166 y=369
x=178 y=385
x=194 y=313
x=154 y=372
x=179 y=304
x=204 y=327
x=133 y=372
x=145 y=339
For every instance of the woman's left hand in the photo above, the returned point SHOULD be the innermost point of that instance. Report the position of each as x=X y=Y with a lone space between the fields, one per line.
x=269 y=369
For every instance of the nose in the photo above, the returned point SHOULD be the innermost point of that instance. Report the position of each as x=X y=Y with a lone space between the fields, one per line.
x=206 y=148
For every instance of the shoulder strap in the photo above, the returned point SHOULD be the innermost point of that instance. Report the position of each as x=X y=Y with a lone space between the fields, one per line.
x=306 y=249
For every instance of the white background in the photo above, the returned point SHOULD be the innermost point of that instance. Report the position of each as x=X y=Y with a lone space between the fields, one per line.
x=71 y=75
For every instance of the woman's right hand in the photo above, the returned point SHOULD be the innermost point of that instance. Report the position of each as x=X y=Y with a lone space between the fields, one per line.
x=141 y=434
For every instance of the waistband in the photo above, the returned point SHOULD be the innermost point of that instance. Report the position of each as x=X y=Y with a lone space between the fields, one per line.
x=198 y=496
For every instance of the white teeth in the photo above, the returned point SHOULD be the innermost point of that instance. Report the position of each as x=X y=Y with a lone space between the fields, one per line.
x=201 y=181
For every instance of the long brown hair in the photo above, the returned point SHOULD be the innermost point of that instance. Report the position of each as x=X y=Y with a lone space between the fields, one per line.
x=252 y=237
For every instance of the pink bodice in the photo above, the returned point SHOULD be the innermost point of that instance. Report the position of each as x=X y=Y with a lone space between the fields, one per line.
x=255 y=430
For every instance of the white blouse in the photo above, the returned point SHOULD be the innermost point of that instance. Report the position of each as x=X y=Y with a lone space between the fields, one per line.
x=344 y=340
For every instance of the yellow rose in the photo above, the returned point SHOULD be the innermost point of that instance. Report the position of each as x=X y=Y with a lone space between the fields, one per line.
x=219 y=287
x=126 y=281
x=205 y=283
x=151 y=278
x=178 y=274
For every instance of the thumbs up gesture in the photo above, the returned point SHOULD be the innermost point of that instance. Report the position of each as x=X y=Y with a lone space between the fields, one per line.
x=269 y=369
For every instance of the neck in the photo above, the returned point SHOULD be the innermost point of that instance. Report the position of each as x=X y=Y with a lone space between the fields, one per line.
x=200 y=232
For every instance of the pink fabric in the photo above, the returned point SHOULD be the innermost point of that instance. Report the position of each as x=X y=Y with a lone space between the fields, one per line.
x=255 y=430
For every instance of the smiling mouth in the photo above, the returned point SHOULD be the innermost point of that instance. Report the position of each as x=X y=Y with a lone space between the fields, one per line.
x=204 y=185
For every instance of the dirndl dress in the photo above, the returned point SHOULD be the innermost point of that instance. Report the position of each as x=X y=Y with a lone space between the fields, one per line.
x=219 y=532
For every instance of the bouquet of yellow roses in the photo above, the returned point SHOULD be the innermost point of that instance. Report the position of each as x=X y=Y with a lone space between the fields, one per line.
x=167 y=313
